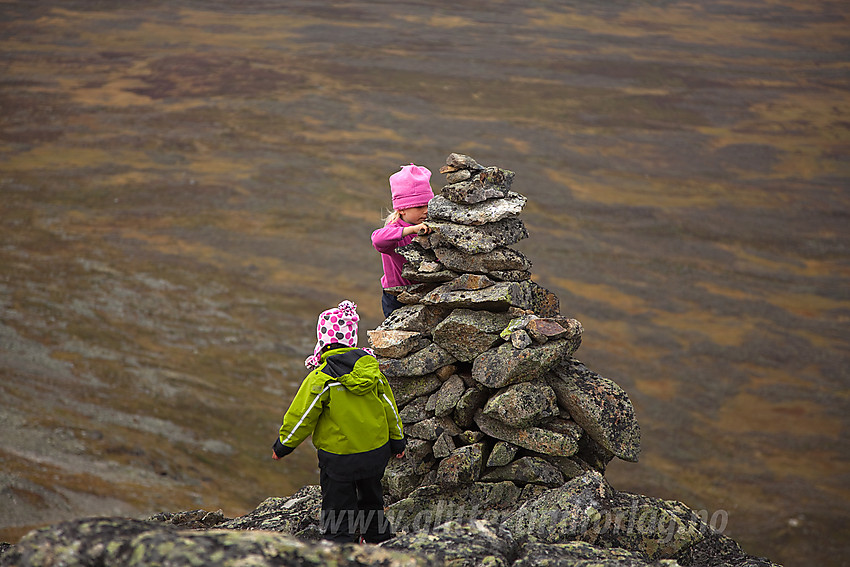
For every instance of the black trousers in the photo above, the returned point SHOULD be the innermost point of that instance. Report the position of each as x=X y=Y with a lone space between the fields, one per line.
x=354 y=508
x=389 y=303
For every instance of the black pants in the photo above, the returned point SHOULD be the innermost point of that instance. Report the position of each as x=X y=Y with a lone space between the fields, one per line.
x=389 y=303
x=354 y=507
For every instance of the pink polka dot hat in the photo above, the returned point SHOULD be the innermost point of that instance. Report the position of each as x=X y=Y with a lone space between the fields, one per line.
x=336 y=325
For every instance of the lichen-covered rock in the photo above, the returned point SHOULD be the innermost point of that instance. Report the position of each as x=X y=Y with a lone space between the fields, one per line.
x=532 y=438
x=432 y=428
x=492 y=210
x=288 y=515
x=599 y=406
x=502 y=454
x=407 y=388
x=718 y=550
x=562 y=514
x=418 y=318
x=523 y=405
x=498 y=297
x=113 y=542
x=463 y=466
x=488 y=183
x=582 y=554
x=506 y=365
x=419 y=363
x=432 y=505
x=476 y=239
x=444 y=445
x=448 y=396
x=466 y=333
x=501 y=259
x=473 y=543
x=470 y=402
x=396 y=344
x=656 y=528
x=414 y=411
x=527 y=470
x=193 y=519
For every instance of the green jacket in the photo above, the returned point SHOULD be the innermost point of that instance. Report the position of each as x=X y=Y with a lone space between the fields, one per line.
x=349 y=408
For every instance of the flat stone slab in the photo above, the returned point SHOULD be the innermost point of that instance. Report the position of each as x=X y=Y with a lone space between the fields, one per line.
x=476 y=239
x=534 y=439
x=497 y=297
x=491 y=210
x=501 y=259
x=396 y=344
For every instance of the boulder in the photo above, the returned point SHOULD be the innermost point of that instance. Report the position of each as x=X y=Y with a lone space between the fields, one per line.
x=523 y=405
x=288 y=515
x=527 y=470
x=599 y=406
x=406 y=388
x=122 y=541
x=463 y=466
x=396 y=344
x=466 y=333
x=448 y=396
x=418 y=318
x=506 y=365
x=477 y=542
x=532 y=438
x=420 y=363
x=502 y=454
x=483 y=184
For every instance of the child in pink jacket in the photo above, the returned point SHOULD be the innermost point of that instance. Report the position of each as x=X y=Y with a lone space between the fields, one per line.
x=411 y=191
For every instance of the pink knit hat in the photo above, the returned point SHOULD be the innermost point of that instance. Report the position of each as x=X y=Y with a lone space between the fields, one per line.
x=337 y=325
x=411 y=187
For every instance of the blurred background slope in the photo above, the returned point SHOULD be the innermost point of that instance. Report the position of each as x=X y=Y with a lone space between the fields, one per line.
x=185 y=185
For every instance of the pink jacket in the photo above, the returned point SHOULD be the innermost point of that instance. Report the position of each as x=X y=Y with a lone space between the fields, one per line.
x=386 y=240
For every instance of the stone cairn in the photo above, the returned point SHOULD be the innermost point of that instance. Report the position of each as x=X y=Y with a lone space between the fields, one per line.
x=481 y=360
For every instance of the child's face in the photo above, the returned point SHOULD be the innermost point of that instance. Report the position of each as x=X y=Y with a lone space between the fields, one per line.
x=414 y=215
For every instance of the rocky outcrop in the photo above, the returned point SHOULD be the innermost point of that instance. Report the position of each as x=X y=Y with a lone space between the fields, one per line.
x=481 y=360
x=584 y=522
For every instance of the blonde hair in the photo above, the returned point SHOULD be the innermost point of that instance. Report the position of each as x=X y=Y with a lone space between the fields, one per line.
x=391 y=218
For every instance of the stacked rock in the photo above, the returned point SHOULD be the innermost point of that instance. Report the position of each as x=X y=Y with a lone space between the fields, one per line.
x=480 y=359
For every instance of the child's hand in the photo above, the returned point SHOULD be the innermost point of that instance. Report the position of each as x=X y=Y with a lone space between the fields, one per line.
x=422 y=229
x=400 y=455
x=274 y=456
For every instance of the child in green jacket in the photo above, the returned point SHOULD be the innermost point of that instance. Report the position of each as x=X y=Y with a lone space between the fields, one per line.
x=348 y=406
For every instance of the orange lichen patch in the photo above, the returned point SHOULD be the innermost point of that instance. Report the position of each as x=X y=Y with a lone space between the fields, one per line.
x=724 y=331
x=748 y=412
